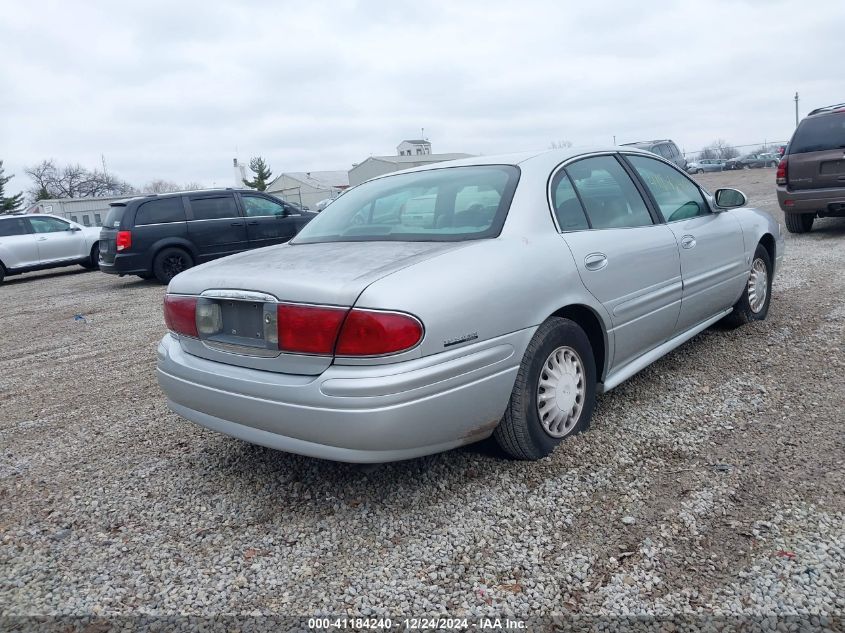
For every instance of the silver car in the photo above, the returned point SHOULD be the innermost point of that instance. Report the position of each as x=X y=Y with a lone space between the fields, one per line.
x=434 y=307
x=36 y=242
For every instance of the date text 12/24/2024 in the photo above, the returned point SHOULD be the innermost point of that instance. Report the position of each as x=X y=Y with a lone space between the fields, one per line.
x=415 y=624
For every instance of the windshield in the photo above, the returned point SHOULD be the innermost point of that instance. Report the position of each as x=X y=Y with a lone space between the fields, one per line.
x=450 y=204
x=818 y=134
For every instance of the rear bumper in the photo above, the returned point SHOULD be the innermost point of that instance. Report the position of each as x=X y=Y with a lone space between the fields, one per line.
x=126 y=264
x=350 y=413
x=823 y=201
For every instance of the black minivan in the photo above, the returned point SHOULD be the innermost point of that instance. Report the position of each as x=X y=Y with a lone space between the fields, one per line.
x=161 y=235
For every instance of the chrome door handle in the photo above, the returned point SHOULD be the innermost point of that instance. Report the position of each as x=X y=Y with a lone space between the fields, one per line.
x=42 y=239
x=595 y=261
x=688 y=241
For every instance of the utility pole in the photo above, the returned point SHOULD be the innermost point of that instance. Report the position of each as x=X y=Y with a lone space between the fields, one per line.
x=796 y=109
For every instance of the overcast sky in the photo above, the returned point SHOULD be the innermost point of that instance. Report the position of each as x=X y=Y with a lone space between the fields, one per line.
x=175 y=90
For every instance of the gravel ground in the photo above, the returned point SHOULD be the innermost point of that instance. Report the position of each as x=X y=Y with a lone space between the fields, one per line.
x=712 y=482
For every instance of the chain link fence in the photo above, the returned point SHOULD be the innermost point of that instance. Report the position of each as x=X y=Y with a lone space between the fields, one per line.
x=729 y=150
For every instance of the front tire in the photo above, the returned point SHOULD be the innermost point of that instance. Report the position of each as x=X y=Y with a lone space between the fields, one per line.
x=554 y=393
x=754 y=303
x=2 y=273
x=170 y=262
x=799 y=222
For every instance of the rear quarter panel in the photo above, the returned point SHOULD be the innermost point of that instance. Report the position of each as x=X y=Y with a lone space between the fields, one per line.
x=483 y=291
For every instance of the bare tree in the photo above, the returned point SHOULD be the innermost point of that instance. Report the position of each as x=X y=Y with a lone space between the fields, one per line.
x=160 y=186
x=720 y=148
x=72 y=181
x=560 y=144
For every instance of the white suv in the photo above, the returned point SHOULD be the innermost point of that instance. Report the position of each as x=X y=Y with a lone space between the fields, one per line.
x=35 y=242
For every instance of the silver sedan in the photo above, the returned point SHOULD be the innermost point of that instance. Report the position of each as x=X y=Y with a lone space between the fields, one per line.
x=435 y=307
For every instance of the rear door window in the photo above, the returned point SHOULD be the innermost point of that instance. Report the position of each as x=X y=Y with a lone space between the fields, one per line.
x=610 y=197
x=14 y=226
x=567 y=208
x=818 y=134
x=214 y=208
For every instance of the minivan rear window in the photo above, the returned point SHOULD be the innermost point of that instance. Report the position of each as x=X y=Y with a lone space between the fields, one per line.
x=161 y=211
x=817 y=134
x=113 y=217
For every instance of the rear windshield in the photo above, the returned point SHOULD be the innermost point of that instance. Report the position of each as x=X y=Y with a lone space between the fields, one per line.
x=818 y=134
x=114 y=216
x=443 y=205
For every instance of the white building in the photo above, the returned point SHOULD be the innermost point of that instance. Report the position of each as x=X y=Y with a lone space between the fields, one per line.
x=85 y=211
x=379 y=165
x=307 y=188
x=414 y=147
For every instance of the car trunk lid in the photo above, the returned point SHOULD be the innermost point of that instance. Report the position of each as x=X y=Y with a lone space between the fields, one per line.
x=247 y=286
x=817 y=170
x=109 y=231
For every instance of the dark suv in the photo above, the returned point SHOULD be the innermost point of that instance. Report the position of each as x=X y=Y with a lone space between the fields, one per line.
x=811 y=174
x=162 y=235
x=662 y=147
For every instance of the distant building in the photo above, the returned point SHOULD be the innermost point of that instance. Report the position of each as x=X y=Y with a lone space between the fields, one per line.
x=307 y=188
x=85 y=211
x=417 y=147
x=379 y=165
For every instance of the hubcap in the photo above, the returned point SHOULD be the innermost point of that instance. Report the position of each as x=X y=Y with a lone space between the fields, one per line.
x=758 y=285
x=561 y=391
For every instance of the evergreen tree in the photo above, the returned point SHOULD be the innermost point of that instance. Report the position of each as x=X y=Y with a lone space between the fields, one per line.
x=262 y=174
x=8 y=205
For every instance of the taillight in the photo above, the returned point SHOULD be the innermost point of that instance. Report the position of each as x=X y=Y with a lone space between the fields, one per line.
x=180 y=314
x=308 y=329
x=780 y=176
x=124 y=240
x=373 y=333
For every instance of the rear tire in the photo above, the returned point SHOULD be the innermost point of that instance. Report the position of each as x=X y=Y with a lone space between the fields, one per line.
x=754 y=303
x=170 y=262
x=799 y=222
x=93 y=259
x=560 y=358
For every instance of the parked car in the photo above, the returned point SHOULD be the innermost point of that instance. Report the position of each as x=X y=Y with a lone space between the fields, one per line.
x=36 y=242
x=162 y=235
x=811 y=175
x=705 y=164
x=366 y=339
x=662 y=147
x=749 y=161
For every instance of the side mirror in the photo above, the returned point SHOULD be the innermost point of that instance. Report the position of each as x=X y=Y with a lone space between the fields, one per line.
x=730 y=198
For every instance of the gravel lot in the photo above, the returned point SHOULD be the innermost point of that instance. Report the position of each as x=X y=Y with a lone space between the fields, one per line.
x=712 y=482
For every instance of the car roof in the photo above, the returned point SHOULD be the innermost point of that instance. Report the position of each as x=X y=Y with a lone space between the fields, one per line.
x=518 y=158
x=172 y=194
